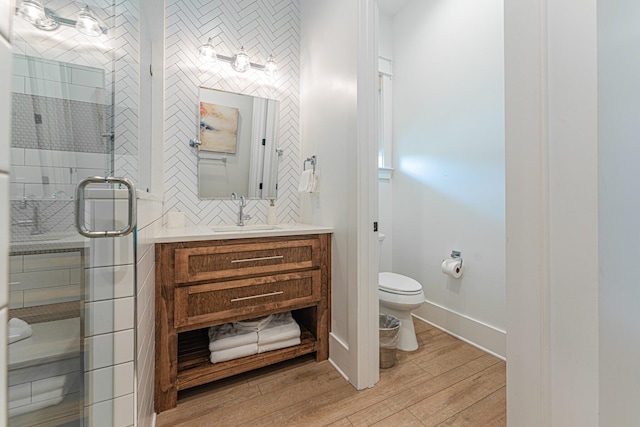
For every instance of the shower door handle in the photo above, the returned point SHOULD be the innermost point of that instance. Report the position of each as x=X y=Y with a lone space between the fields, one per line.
x=80 y=206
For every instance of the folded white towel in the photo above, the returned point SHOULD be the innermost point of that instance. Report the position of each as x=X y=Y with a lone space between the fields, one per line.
x=257 y=324
x=306 y=181
x=226 y=336
x=281 y=328
x=234 y=353
x=278 y=345
x=313 y=186
x=18 y=330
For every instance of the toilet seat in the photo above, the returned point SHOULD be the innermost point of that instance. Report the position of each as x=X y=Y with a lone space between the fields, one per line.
x=398 y=284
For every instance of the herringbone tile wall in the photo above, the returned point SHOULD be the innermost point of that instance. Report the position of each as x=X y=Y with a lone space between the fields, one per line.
x=262 y=27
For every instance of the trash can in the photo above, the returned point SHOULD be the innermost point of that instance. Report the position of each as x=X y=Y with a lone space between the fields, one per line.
x=389 y=327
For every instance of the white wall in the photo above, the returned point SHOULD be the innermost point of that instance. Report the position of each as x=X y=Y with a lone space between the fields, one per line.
x=619 y=205
x=552 y=214
x=328 y=115
x=338 y=60
x=448 y=184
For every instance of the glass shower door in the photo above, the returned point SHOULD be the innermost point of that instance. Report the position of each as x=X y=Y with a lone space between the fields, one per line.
x=72 y=309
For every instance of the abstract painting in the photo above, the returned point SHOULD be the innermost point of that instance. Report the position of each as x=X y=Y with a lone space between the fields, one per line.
x=218 y=128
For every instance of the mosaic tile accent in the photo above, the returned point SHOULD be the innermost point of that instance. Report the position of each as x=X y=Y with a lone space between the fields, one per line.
x=45 y=123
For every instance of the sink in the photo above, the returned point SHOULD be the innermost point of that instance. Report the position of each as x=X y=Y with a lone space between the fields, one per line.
x=245 y=229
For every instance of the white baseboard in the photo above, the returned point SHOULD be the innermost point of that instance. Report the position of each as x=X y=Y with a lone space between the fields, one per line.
x=337 y=368
x=472 y=331
x=339 y=355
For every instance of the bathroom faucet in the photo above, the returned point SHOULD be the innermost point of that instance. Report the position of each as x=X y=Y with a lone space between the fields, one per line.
x=241 y=205
x=34 y=222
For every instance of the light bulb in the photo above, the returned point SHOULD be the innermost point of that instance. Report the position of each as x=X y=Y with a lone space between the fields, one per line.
x=207 y=52
x=241 y=63
x=47 y=23
x=87 y=23
x=270 y=68
x=31 y=10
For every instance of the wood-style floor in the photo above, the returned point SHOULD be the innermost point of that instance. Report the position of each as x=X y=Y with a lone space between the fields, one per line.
x=446 y=382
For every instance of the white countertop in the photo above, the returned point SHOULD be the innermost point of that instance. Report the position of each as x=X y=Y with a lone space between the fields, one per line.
x=221 y=232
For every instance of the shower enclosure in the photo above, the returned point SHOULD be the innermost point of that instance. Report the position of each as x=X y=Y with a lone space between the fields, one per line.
x=75 y=96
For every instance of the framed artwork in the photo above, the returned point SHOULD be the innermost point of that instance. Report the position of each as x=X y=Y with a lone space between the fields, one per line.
x=218 y=128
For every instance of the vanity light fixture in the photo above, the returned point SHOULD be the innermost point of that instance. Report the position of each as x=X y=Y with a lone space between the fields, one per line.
x=47 y=20
x=239 y=62
x=207 y=52
x=87 y=23
x=31 y=10
x=270 y=68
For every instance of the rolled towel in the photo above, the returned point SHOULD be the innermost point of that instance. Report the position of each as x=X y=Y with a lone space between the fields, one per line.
x=234 y=353
x=306 y=181
x=257 y=324
x=226 y=336
x=281 y=328
x=278 y=345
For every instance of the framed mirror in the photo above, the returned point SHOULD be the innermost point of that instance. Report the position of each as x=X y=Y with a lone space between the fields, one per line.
x=238 y=150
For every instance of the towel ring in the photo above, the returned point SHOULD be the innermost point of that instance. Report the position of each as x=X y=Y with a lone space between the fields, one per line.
x=311 y=160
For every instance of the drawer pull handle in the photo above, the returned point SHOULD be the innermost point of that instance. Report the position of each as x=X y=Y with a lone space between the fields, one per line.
x=257 y=296
x=258 y=259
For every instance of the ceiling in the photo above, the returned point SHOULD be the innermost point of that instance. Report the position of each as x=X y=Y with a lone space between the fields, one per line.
x=391 y=7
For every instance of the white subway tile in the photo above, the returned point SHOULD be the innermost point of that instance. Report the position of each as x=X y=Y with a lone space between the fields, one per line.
x=55 y=158
x=20 y=65
x=87 y=78
x=110 y=282
x=19 y=395
x=16 y=191
x=53 y=261
x=112 y=251
x=5 y=103
x=4 y=244
x=104 y=317
x=106 y=350
x=39 y=279
x=17 y=156
x=44 y=370
x=46 y=296
x=15 y=263
x=85 y=94
x=18 y=84
x=111 y=413
x=108 y=383
x=55 y=387
x=16 y=299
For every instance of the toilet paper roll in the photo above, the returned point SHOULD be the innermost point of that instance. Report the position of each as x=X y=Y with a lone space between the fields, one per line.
x=452 y=267
x=175 y=220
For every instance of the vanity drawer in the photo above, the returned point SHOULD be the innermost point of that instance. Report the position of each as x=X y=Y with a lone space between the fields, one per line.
x=226 y=261
x=217 y=302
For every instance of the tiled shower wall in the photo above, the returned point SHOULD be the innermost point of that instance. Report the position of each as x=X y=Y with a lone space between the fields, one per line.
x=114 y=53
x=262 y=27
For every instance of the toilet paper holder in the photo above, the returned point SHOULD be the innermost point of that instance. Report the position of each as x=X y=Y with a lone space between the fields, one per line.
x=457 y=255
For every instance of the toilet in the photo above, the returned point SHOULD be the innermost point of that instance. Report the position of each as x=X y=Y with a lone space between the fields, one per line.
x=398 y=296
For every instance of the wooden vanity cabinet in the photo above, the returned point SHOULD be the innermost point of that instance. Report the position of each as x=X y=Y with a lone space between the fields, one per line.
x=206 y=283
